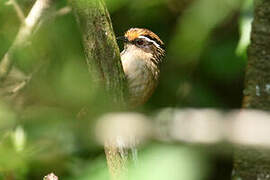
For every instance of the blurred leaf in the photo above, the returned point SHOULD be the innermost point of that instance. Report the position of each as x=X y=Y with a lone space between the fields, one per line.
x=245 y=21
x=195 y=26
x=221 y=63
x=92 y=170
x=19 y=138
x=169 y=162
x=75 y=83
x=114 y=5
x=141 y=4
x=12 y=161
x=7 y=117
x=156 y=162
x=200 y=95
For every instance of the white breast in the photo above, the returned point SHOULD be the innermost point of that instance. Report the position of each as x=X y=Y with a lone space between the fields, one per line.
x=142 y=75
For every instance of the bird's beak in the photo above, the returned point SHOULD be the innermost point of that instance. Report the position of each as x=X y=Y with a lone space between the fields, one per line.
x=122 y=38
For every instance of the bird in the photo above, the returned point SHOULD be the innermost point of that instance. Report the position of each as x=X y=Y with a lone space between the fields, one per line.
x=141 y=58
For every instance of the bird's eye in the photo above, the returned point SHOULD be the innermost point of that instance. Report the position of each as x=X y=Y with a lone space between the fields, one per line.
x=139 y=42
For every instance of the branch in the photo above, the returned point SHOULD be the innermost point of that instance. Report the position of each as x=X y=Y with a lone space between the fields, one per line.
x=103 y=58
x=18 y=10
x=204 y=126
x=101 y=50
x=35 y=16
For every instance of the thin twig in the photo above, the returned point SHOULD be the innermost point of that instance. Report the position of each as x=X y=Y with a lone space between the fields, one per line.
x=63 y=11
x=20 y=86
x=18 y=10
x=38 y=12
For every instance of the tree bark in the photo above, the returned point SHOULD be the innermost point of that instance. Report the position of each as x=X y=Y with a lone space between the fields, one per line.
x=251 y=164
x=103 y=58
x=101 y=50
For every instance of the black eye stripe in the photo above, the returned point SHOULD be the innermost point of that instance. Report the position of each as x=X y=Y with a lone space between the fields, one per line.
x=136 y=41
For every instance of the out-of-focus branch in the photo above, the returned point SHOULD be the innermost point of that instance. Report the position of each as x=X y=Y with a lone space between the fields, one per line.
x=243 y=129
x=50 y=176
x=37 y=13
x=208 y=126
x=62 y=11
x=17 y=9
x=17 y=80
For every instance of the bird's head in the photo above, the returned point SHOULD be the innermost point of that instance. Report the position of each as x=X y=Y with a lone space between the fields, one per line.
x=143 y=41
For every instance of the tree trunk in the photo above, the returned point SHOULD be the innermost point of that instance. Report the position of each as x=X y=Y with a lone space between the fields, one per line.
x=103 y=58
x=254 y=163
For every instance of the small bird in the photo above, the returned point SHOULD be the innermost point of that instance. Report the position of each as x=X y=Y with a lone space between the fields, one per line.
x=141 y=58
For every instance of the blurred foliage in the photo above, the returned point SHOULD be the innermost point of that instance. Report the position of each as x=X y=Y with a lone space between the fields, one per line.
x=245 y=27
x=51 y=133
